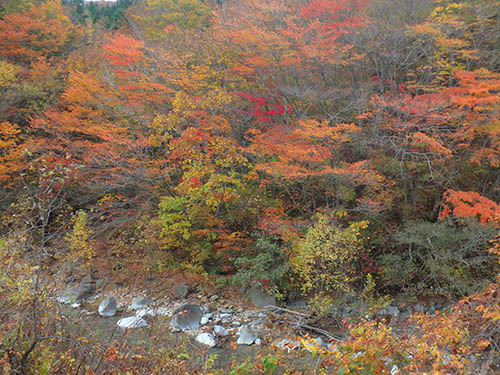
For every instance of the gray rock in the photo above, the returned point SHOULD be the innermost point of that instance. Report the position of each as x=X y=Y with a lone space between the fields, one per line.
x=261 y=299
x=393 y=311
x=107 y=307
x=180 y=291
x=83 y=290
x=220 y=331
x=186 y=317
x=139 y=303
x=389 y=312
x=78 y=292
x=247 y=336
x=206 y=339
x=132 y=322
x=204 y=320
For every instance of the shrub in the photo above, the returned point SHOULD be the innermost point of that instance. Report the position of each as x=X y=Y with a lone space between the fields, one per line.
x=326 y=260
x=267 y=267
x=441 y=258
x=78 y=240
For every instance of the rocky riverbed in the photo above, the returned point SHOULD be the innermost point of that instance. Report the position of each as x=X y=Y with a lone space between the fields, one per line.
x=207 y=321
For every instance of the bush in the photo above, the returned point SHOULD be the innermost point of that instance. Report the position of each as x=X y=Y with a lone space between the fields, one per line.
x=441 y=258
x=326 y=260
x=267 y=267
x=78 y=240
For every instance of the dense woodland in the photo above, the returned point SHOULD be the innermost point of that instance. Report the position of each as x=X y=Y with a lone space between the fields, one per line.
x=324 y=150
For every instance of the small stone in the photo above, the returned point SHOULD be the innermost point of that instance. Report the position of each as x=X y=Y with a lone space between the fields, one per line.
x=132 y=322
x=393 y=311
x=164 y=311
x=206 y=339
x=220 y=331
x=76 y=305
x=204 y=320
x=214 y=297
x=236 y=323
x=121 y=306
x=107 y=307
x=145 y=312
x=258 y=341
x=247 y=336
x=287 y=344
x=139 y=303
x=63 y=299
x=180 y=291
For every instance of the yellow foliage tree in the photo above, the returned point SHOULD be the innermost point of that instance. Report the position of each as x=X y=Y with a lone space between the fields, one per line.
x=11 y=153
x=325 y=260
x=78 y=240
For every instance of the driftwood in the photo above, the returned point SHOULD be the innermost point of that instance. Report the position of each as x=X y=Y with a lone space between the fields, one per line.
x=321 y=331
x=302 y=320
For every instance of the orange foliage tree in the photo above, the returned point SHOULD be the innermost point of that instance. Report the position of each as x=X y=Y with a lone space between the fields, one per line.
x=464 y=204
x=430 y=135
x=35 y=32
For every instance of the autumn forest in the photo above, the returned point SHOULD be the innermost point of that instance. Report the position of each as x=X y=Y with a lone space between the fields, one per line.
x=335 y=155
